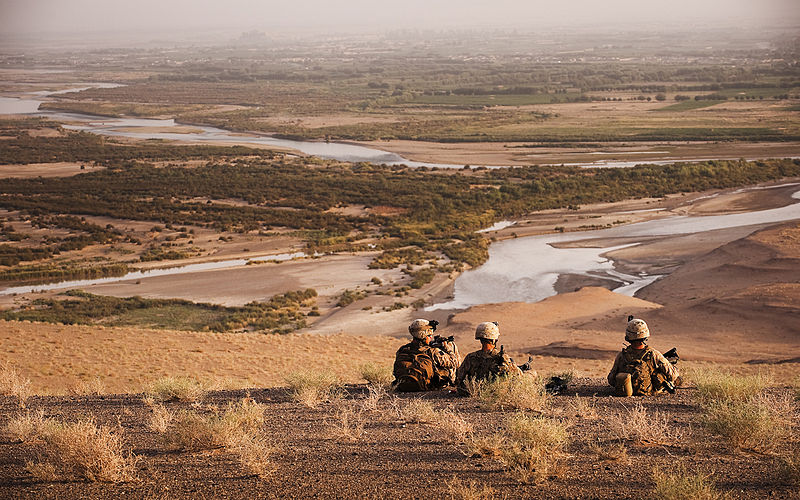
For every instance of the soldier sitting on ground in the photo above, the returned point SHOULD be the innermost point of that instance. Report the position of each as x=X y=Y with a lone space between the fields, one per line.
x=486 y=363
x=425 y=363
x=639 y=369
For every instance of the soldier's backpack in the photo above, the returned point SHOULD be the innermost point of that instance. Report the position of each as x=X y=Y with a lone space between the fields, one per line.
x=640 y=363
x=490 y=367
x=413 y=370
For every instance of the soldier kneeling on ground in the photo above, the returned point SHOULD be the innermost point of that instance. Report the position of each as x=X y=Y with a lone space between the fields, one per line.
x=488 y=362
x=639 y=369
x=427 y=362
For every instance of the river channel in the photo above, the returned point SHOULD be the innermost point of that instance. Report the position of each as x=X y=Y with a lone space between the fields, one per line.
x=523 y=269
x=526 y=269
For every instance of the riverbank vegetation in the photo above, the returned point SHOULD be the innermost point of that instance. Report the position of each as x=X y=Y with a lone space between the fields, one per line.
x=280 y=314
x=434 y=211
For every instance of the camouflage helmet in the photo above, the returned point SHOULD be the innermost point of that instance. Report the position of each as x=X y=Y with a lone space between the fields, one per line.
x=636 y=330
x=488 y=330
x=420 y=328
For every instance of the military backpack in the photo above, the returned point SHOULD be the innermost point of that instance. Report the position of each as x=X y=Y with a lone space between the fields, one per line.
x=413 y=369
x=640 y=363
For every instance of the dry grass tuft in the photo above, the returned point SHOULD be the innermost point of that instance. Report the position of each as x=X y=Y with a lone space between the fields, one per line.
x=176 y=388
x=80 y=450
x=26 y=427
x=460 y=490
x=684 y=486
x=761 y=423
x=372 y=401
x=311 y=387
x=521 y=393
x=453 y=425
x=715 y=385
x=237 y=429
x=534 y=447
x=419 y=411
x=613 y=451
x=584 y=408
x=90 y=387
x=254 y=452
x=482 y=445
x=14 y=384
x=348 y=423
x=639 y=426
x=161 y=419
x=447 y=422
x=377 y=375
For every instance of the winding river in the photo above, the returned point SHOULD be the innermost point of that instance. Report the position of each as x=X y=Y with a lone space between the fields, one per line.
x=526 y=269
x=523 y=269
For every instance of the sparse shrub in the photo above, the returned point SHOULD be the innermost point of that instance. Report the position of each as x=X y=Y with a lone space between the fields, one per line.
x=78 y=450
x=93 y=386
x=714 y=385
x=583 y=407
x=610 y=451
x=419 y=411
x=760 y=423
x=161 y=419
x=14 y=384
x=461 y=490
x=377 y=375
x=453 y=425
x=376 y=394
x=639 y=426
x=348 y=424
x=521 y=393
x=189 y=430
x=684 y=486
x=311 y=387
x=349 y=296
x=533 y=447
x=254 y=452
x=482 y=445
x=26 y=427
x=237 y=429
x=176 y=388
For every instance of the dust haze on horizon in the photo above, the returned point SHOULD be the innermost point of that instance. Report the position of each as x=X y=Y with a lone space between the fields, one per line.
x=173 y=19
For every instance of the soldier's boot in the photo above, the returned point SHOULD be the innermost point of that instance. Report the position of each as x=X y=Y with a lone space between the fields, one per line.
x=622 y=385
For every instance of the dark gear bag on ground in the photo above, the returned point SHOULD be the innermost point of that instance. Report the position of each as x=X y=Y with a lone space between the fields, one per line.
x=414 y=371
x=640 y=363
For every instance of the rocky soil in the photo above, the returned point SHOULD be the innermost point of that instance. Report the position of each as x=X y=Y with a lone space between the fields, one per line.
x=396 y=456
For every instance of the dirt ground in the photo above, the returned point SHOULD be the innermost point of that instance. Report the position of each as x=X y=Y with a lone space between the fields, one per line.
x=396 y=456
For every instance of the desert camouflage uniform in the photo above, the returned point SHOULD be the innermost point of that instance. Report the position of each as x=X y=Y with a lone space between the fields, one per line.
x=445 y=362
x=662 y=368
x=481 y=365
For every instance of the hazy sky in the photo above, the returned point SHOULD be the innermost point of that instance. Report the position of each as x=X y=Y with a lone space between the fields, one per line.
x=78 y=16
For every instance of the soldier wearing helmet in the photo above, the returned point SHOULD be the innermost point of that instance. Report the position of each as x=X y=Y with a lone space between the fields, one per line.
x=639 y=369
x=487 y=362
x=424 y=363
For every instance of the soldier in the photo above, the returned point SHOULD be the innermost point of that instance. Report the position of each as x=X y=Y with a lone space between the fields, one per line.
x=639 y=369
x=487 y=362
x=420 y=366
